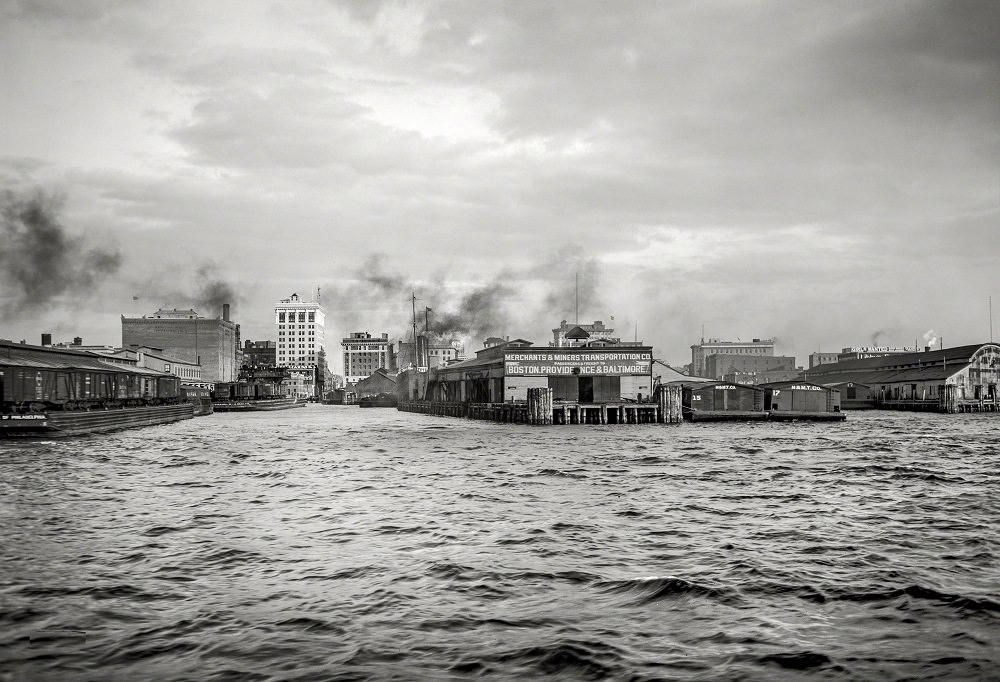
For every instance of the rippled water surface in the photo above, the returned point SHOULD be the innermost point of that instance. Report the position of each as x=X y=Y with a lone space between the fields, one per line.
x=335 y=542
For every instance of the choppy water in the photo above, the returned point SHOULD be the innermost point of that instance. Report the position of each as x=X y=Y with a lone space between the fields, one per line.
x=340 y=543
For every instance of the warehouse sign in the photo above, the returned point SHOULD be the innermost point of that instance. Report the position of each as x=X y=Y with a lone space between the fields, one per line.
x=604 y=363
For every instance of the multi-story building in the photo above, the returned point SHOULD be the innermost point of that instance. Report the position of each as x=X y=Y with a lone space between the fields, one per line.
x=183 y=334
x=428 y=353
x=817 y=359
x=700 y=352
x=864 y=352
x=260 y=353
x=721 y=365
x=153 y=358
x=300 y=346
x=593 y=331
x=440 y=353
x=363 y=354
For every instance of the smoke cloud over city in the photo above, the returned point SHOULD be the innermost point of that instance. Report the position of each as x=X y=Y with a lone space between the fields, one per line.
x=573 y=282
x=479 y=313
x=212 y=291
x=524 y=301
x=41 y=262
x=203 y=287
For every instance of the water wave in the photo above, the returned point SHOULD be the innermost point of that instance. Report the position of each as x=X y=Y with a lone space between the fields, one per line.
x=338 y=543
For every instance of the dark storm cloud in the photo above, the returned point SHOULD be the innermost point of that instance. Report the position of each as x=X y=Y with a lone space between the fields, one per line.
x=40 y=260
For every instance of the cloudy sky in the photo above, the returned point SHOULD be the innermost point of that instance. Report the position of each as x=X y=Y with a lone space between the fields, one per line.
x=824 y=173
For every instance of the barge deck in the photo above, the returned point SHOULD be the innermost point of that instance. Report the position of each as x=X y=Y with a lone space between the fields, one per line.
x=57 y=424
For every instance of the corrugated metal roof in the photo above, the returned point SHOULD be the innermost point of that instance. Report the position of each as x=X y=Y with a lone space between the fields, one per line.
x=147 y=371
x=696 y=384
x=958 y=355
x=669 y=375
x=794 y=382
x=877 y=377
x=43 y=357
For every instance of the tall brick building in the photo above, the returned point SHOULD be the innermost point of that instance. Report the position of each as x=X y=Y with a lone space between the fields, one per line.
x=708 y=347
x=211 y=343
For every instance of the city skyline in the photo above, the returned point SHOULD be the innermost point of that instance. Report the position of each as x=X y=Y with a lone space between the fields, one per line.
x=824 y=174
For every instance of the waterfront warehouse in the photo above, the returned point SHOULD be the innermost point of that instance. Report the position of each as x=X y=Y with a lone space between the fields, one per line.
x=599 y=382
x=960 y=379
x=584 y=374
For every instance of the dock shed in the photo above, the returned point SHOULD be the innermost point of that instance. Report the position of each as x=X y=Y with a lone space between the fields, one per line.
x=721 y=400
x=801 y=400
x=855 y=395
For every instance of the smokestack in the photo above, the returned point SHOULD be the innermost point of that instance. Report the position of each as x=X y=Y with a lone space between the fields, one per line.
x=46 y=339
x=225 y=312
x=927 y=349
x=77 y=341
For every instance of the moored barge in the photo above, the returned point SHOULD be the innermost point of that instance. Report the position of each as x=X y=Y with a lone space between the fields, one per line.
x=58 y=424
x=51 y=392
x=257 y=405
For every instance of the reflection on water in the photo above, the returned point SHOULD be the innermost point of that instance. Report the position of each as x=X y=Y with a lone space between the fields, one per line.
x=369 y=544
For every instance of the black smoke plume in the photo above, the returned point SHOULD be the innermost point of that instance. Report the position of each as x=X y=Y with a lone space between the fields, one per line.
x=377 y=298
x=212 y=292
x=374 y=298
x=40 y=260
x=481 y=312
x=204 y=291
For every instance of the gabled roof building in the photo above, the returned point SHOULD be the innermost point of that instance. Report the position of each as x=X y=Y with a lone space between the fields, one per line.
x=952 y=378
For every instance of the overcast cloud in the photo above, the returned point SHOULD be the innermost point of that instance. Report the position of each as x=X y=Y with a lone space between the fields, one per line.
x=826 y=173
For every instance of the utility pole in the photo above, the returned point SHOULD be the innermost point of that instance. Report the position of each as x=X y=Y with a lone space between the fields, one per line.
x=414 y=306
x=427 y=337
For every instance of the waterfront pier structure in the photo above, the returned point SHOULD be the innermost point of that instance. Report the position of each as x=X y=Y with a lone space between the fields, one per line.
x=599 y=382
x=596 y=382
x=947 y=380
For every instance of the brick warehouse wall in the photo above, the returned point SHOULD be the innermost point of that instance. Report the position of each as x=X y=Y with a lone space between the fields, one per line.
x=215 y=341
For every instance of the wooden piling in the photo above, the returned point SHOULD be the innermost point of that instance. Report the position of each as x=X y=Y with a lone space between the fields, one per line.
x=949 y=405
x=540 y=406
x=670 y=408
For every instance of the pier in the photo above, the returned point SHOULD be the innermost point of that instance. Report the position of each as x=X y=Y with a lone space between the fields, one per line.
x=540 y=409
x=945 y=404
x=561 y=413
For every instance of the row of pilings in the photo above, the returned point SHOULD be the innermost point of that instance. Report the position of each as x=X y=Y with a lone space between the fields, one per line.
x=541 y=410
